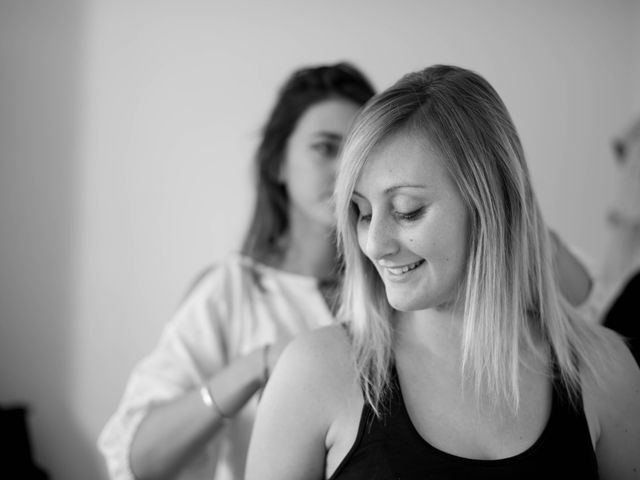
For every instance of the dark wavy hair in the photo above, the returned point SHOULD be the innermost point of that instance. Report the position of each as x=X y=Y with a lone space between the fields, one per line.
x=303 y=89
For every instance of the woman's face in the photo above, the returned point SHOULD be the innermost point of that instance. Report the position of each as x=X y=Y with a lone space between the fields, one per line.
x=412 y=224
x=311 y=160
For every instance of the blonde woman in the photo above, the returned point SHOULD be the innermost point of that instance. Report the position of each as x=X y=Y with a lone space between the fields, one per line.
x=457 y=357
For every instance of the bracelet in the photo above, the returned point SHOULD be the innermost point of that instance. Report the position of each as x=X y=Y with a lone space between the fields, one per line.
x=265 y=363
x=209 y=401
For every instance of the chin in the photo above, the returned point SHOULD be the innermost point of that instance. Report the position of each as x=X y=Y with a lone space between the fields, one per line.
x=422 y=302
x=407 y=304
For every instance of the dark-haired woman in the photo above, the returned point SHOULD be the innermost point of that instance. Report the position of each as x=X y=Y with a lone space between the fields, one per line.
x=188 y=408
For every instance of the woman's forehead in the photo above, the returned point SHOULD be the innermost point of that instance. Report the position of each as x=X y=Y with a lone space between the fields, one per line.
x=401 y=161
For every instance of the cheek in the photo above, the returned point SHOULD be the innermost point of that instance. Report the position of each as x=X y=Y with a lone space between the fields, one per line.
x=444 y=243
x=312 y=178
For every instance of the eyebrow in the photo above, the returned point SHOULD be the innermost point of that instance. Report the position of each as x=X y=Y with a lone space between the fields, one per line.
x=388 y=190
x=329 y=135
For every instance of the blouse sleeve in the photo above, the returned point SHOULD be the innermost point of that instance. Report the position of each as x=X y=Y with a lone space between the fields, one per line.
x=191 y=348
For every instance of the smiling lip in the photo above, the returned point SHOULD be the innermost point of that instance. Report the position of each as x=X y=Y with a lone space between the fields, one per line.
x=403 y=270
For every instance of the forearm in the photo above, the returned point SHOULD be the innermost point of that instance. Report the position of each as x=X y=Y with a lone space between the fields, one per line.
x=172 y=433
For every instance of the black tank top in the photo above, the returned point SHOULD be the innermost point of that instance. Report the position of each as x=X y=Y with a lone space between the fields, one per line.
x=391 y=449
x=621 y=314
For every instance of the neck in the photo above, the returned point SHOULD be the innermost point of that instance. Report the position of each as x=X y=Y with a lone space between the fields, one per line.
x=310 y=250
x=437 y=331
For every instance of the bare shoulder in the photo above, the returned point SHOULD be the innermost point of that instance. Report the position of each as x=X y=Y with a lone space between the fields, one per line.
x=617 y=373
x=322 y=356
x=332 y=339
x=618 y=368
x=299 y=405
x=612 y=404
x=314 y=373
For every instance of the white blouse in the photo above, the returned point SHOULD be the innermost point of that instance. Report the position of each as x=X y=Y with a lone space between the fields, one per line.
x=236 y=307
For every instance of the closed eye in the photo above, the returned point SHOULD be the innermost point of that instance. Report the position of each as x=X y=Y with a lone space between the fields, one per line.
x=409 y=216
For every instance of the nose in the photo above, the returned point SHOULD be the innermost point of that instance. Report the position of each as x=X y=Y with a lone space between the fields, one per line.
x=379 y=239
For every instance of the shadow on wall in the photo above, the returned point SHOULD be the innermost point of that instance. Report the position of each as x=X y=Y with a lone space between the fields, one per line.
x=40 y=56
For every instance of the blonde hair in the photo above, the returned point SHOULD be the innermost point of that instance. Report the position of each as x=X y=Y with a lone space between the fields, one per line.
x=511 y=304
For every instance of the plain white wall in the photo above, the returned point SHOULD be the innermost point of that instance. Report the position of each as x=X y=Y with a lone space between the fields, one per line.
x=126 y=136
x=635 y=41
